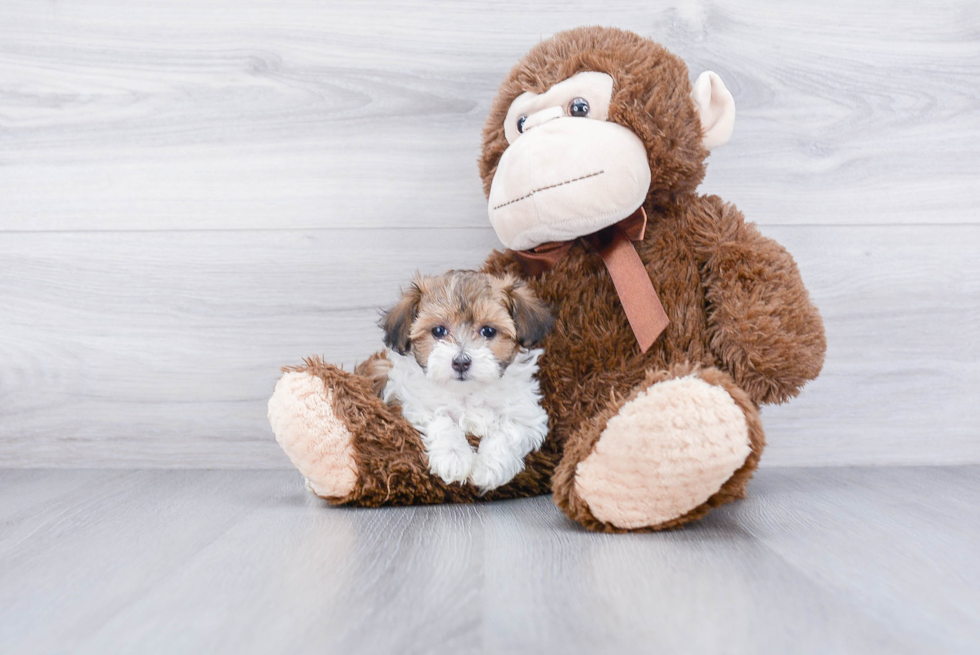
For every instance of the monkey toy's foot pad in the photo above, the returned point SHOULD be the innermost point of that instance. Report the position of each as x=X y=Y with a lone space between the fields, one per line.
x=665 y=453
x=316 y=441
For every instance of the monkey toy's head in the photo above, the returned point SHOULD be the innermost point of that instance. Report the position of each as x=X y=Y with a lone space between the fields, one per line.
x=591 y=125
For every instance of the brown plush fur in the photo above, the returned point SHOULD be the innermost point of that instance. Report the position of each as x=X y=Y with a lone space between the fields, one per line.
x=740 y=317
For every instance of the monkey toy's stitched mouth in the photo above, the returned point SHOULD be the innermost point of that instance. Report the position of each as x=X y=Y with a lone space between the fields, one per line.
x=550 y=186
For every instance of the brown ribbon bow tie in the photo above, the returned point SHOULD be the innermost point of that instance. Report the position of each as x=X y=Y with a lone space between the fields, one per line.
x=615 y=245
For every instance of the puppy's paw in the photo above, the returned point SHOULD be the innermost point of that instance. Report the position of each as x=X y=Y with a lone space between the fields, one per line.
x=452 y=464
x=489 y=472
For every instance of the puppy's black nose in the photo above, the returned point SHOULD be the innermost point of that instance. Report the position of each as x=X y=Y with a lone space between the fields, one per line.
x=461 y=363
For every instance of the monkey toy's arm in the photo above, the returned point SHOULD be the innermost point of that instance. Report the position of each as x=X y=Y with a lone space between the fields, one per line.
x=763 y=328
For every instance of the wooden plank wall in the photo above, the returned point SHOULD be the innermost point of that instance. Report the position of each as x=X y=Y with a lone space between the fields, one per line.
x=194 y=193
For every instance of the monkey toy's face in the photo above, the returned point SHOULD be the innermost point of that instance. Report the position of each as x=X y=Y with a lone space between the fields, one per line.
x=583 y=152
x=567 y=166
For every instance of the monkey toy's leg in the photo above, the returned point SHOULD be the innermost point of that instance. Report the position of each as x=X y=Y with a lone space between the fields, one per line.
x=350 y=446
x=354 y=449
x=685 y=441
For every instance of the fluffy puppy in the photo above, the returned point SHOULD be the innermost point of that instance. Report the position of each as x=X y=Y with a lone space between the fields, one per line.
x=462 y=362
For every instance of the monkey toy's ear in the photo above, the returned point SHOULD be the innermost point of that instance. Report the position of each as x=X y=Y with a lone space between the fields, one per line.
x=716 y=107
x=532 y=317
x=397 y=321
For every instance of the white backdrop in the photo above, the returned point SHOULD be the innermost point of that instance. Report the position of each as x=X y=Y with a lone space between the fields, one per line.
x=195 y=193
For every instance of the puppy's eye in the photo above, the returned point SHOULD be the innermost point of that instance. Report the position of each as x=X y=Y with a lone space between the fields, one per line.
x=439 y=331
x=579 y=107
x=487 y=332
x=520 y=124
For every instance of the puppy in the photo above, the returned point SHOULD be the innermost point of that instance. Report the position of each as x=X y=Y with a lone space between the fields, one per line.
x=461 y=348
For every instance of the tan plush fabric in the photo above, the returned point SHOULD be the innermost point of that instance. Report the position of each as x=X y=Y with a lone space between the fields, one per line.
x=665 y=452
x=587 y=175
x=314 y=439
x=716 y=109
x=580 y=444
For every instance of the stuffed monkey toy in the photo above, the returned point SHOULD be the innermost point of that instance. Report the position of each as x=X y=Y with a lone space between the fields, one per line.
x=674 y=318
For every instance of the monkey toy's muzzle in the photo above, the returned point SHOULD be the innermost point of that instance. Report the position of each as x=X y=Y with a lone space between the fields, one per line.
x=566 y=178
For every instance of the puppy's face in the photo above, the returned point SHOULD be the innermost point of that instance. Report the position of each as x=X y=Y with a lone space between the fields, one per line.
x=465 y=326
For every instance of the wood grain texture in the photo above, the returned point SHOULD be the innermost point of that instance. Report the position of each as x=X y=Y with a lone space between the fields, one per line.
x=161 y=349
x=201 y=115
x=851 y=560
x=194 y=193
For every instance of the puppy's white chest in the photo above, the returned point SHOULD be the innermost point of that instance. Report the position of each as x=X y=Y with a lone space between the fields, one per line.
x=475 y=416
x=477 y=411
x=507 y=417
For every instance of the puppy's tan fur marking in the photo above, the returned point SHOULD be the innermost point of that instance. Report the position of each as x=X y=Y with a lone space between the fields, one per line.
x=464 y=302
x=376 y=370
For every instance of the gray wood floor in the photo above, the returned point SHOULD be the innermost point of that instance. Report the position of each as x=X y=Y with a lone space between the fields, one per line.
x=846 y=560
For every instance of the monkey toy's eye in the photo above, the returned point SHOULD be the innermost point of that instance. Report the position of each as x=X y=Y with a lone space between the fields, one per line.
x=579 y=107
x=520 y=124
x=439 y=331
x=487 y=332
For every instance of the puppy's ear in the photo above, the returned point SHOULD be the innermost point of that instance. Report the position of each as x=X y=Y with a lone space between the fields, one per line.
x=532 y=316
x=397 y=321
